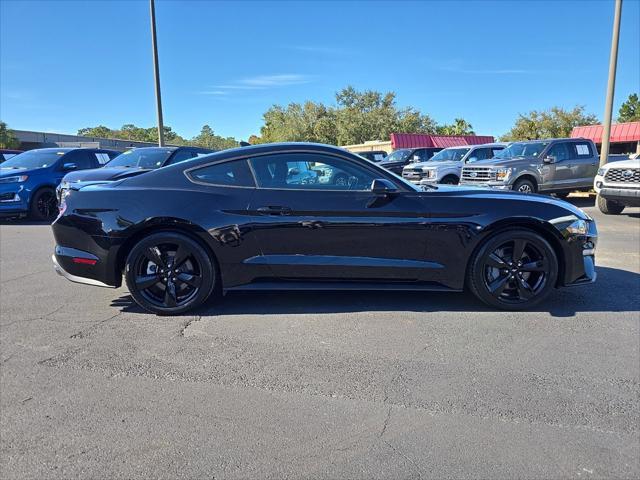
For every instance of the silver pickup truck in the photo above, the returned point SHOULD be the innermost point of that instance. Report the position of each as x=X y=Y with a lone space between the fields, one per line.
x=558 y=166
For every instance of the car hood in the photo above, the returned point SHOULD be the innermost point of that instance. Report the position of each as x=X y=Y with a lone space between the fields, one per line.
x=504 y=162
x=392 y=163
x=443 y=164
x=104 y=173
x=625 y=164
x=473 y=191
x=11 y=172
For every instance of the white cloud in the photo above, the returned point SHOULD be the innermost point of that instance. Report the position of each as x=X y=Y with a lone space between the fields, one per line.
x=260 y=82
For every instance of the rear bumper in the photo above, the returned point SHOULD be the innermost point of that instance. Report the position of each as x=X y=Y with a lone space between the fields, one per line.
x=76 y=278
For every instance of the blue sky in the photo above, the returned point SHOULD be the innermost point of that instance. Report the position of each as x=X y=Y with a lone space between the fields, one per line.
x=67 y=65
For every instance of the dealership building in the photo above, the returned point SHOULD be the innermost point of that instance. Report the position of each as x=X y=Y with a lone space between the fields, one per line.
x=624 y=137
x=30 y=140
x=419 y=140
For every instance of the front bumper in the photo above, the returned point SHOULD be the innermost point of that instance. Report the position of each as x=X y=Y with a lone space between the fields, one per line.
x=14 y=200
x=494 y=185
x=625 y=196
x=579 y=253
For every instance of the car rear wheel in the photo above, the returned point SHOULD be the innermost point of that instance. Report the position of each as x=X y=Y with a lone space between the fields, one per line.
x=44 y=205
x=524 y=186
x=608 y=207
x=169 y=273
x=513 y=270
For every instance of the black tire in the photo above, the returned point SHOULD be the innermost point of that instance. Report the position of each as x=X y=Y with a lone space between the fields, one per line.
x=44 y=206
x=608 y=207
x=501 y=281
x=450 y=180
x=524 y=186
x=160 y=286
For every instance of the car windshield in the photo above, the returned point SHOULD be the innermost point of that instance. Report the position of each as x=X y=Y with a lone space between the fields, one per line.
x=142 y=158
x=522 y=149
x=34 y=159
x=450 y=154
x=398 y=156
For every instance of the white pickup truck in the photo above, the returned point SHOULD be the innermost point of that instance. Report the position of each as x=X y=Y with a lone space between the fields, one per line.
x=618 y=185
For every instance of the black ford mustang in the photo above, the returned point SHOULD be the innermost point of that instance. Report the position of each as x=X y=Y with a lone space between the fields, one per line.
x=243 y=219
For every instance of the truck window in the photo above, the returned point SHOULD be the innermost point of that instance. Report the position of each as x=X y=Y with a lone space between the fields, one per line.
x=560 y=151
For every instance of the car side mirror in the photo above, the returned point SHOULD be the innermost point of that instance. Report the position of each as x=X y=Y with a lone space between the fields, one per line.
x=67 y=167
x=472 y=159
x=382 y=186
x=415 y=158
x=549 y=159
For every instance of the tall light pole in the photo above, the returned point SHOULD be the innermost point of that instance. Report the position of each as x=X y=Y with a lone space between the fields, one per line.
x=611 y=84
x=156 y=72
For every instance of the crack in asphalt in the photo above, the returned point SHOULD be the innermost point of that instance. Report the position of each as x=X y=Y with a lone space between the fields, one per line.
x=23 y=276
x=187 y=324
x=385 y=424
x=88 y=331
x=55 y=310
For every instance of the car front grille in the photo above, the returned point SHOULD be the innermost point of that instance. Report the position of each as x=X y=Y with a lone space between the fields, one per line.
x=7 y=197
x=623 y=175
x=412 y=173
x=478 y=174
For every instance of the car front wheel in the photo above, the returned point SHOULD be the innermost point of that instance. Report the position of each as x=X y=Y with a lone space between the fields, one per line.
x=513 y=270
x=608 y=207
x=169 y=273
x=44 y=205
x=524 y=186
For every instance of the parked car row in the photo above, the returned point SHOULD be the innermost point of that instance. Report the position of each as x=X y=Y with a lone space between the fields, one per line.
x=32 y=182
x=557 y=166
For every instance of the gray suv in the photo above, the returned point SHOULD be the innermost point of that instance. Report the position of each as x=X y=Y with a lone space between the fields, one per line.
x=557 y=166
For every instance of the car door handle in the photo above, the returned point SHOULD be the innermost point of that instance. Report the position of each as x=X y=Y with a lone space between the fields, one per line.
x=274 y=210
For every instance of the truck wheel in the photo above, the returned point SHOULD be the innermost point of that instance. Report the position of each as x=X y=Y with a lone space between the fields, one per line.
x=524 y=186
x=450 y=180
x=44 y=205
x=608 y=207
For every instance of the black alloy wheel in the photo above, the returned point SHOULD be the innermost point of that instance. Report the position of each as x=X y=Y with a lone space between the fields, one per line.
x=514 y=270
x=169 y=273
x=44 y=205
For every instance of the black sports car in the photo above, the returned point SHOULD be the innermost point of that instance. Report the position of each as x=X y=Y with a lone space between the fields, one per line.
x=238 y=220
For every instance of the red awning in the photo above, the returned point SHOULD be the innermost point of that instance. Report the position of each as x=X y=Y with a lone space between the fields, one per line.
x=417 y=140
x=620 y=132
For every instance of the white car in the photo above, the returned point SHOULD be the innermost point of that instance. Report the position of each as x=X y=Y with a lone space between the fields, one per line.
x=445 y=166
x=618 y=185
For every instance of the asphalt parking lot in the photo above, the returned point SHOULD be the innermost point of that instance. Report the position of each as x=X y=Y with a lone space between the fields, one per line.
x=319 y=385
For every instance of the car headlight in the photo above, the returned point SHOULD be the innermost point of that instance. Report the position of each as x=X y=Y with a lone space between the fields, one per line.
x=430 y=173
x=14 y=179
x=503 y=174
x=579 y=227
x=601 y=171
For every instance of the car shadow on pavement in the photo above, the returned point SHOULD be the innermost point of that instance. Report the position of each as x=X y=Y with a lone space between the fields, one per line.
x=23 y=221
x=615 y=291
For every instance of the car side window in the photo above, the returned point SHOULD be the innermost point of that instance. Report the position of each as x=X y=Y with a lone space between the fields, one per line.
x=560 y=151
x=180 y=156
x=495 y=150
x=102 y=158
x=235 y=173
x=83 y=159
x=581 y=150
x=308 y=171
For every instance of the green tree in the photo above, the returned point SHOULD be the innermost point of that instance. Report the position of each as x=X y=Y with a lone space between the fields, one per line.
x=553 y=123
x=208 y=139
x=311 y=122
x=7 y=137
x=458 y=127
x=630 y=110
x=99 y=131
